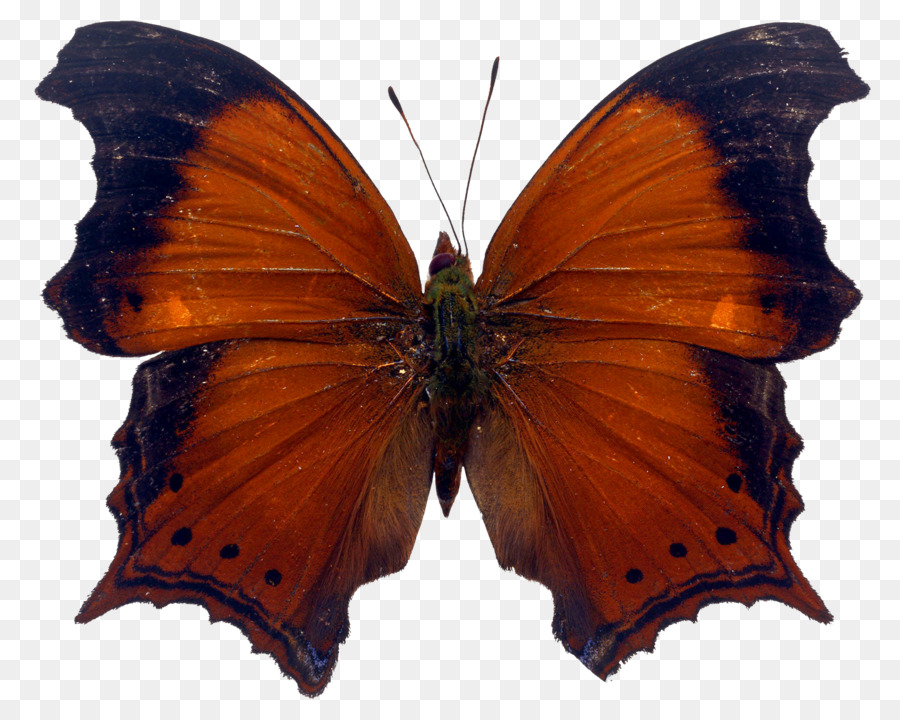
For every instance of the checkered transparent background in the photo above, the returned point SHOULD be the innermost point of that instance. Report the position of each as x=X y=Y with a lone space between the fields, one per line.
x=452 y=635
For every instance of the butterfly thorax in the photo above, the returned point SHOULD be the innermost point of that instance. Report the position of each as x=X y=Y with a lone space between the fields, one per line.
x=457 y=385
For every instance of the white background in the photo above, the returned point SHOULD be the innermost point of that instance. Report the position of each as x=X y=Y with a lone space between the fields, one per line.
x=452 y=635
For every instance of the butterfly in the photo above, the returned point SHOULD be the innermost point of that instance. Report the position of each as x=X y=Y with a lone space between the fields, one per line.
x=609 y=383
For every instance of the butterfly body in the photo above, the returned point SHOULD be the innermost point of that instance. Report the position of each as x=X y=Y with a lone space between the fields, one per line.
x=609 y=383
x=458 y=385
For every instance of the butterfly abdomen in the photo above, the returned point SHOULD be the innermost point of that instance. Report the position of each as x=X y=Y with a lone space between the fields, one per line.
x=457 y=385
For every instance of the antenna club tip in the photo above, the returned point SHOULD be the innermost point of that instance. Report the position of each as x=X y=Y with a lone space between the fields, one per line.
x=494 y=69
x=393 y=96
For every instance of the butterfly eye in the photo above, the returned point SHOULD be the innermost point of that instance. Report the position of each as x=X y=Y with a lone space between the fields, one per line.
x=439 y=262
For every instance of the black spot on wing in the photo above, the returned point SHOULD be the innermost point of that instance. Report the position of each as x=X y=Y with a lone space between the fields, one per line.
x=725 y=536
x=176 y=480
x=182 y=536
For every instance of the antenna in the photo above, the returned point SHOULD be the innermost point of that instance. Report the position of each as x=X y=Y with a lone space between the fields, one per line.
x=393 y=97
x=462 y=223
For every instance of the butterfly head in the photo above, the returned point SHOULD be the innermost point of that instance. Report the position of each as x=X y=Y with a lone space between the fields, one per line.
x=445 y=256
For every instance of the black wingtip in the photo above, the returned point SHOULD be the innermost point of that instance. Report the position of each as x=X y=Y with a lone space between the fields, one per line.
x=41 y=90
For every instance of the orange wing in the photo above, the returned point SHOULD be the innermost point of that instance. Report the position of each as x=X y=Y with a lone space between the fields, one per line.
x=276 y=455
x=639 y=480
x=226 y=208
x=677 y=209
x=636 y=457
x=266 y=480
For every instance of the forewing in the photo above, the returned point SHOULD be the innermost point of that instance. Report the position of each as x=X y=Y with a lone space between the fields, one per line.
x=639 y=481
x=225 y=208
x=677 y=209
x=266 y=480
